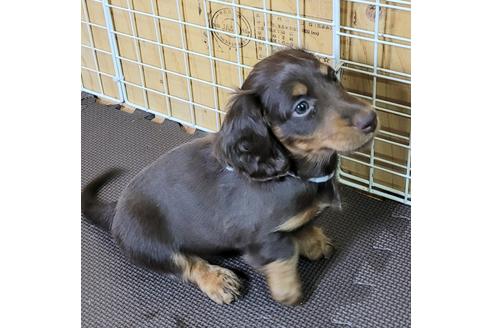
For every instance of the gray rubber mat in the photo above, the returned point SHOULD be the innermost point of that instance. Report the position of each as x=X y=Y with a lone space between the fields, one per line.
x=366 y=283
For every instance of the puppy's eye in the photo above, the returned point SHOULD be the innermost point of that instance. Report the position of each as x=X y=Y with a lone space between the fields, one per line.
x=302 y=108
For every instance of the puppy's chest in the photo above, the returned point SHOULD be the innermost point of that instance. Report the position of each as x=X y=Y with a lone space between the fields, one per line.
x=302 y=217
x=315 y=201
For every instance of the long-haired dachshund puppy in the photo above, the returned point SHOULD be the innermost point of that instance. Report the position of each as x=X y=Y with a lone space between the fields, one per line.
x=252 y=187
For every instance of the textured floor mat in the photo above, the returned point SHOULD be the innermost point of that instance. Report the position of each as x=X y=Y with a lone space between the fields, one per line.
x=366 y=283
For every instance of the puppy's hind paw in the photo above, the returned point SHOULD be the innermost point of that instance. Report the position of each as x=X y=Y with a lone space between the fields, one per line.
x=220 y=284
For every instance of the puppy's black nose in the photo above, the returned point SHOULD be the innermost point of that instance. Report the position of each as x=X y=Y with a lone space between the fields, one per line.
x=366 y=121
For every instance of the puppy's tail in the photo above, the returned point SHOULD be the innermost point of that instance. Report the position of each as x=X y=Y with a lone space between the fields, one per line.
x=96 y=211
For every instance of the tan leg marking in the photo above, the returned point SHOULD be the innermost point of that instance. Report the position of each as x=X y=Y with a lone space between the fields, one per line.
x=283 y=279
x=220 y=284
x=314 y=244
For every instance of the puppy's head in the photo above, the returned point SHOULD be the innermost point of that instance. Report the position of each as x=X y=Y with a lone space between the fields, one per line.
x=291 y=105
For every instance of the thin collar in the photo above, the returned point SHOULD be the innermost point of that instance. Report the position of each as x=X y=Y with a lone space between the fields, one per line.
x=320 y=179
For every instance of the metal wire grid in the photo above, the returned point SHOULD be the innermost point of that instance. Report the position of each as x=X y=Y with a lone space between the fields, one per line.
x=97 y=51
x=376 y=73
x=370 y=160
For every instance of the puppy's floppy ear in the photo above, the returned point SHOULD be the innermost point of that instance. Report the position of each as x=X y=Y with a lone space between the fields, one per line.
x=246 y=143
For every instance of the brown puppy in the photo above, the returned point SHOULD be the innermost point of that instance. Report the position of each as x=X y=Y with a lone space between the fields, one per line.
x=253 y=187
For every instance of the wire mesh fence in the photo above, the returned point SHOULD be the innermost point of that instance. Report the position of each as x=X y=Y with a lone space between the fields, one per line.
x=180 y=59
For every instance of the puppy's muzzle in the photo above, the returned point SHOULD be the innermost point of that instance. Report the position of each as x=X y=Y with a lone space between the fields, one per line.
x=366 y=121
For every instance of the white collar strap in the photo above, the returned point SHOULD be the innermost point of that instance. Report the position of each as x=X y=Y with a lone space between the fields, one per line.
x=321 y=179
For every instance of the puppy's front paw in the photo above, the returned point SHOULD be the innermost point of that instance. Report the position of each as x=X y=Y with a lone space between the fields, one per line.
x=288 y=295
x=283 y=280
x=220 y=284
x=314 y=244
